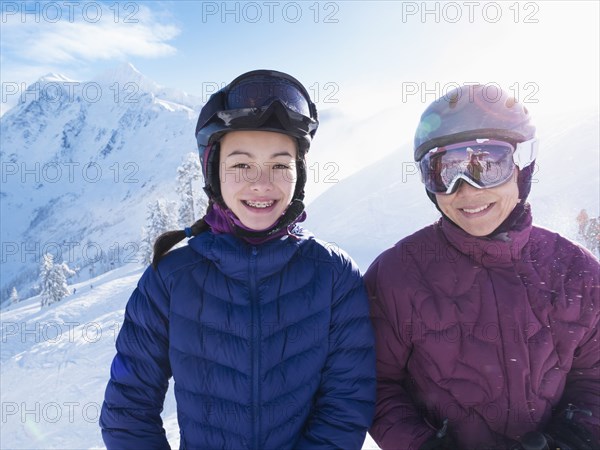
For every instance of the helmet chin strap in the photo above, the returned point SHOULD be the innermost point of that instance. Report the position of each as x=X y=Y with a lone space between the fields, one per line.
x=291 y=214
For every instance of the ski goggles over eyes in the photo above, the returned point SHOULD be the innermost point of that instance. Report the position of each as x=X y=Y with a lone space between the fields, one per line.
x=483 y=163
x=250 y=101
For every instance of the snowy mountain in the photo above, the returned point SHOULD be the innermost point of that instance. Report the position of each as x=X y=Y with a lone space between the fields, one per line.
x=80 y=162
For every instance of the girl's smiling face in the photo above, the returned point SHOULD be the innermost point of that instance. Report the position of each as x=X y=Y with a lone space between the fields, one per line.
x=258 y=175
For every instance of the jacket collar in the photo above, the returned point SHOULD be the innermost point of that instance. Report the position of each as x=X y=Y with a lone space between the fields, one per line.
x=231 y=254
x=499 y=250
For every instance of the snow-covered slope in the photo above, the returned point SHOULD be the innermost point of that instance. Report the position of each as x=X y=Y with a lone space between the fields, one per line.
x=56 y=362
x=80 y=162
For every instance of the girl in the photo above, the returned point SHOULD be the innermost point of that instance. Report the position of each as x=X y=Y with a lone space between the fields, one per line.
x=264 y=329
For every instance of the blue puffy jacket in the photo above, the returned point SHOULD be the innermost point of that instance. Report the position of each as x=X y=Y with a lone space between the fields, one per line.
x=270 y=347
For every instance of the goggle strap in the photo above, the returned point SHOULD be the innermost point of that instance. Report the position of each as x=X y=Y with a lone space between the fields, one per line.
x=313 y=111
x=525 y=153
x=214 y=104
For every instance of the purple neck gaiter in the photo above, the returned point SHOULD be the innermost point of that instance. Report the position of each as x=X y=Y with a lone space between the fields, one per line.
x=222 y=220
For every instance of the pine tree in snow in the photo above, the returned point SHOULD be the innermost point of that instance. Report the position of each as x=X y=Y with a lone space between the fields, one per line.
x=160 y=218
x=14 y=296
x=53 y=280
x=193 y=201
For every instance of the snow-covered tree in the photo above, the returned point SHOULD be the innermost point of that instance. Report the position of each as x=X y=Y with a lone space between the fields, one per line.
x=14 y=296
x=53 y=280
x=193 y=201
x=160 y=217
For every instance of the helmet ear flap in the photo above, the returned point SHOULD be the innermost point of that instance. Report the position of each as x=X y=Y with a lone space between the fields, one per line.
x=524 y=181
x=301 y=176
x=212 y=183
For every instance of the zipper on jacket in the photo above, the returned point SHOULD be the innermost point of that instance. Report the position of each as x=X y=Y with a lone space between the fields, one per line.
x=255 y=343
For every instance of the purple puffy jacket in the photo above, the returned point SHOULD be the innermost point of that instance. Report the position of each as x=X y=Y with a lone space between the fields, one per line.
x=496 y=336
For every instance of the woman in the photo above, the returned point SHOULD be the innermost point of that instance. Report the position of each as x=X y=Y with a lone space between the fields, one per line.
x=486 y=327
x=264 y=329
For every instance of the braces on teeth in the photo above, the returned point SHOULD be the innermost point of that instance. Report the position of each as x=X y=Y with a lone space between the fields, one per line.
x=259 y=204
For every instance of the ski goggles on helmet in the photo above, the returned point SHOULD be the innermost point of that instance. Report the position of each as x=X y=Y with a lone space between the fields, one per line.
x=483 y=163
x=252 y=100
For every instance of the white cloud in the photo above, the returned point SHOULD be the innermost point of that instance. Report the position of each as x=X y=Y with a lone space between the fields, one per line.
x=39 y=38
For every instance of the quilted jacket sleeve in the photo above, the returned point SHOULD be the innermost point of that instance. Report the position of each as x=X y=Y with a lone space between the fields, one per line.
x=582 y=388
x=343 y=408
x=583 y=383
x=397 y=418
x=140 y=371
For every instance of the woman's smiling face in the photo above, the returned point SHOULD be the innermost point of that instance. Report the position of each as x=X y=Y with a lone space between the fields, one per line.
x=258 y=175
x=480 y=211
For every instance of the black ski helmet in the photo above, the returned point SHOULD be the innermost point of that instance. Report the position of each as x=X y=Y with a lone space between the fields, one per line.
x=259 y=100
x=472 y=112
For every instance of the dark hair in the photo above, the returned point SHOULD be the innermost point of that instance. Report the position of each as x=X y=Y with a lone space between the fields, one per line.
x=167 y=240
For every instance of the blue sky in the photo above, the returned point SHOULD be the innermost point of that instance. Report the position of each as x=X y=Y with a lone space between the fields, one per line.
x=355 y=56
